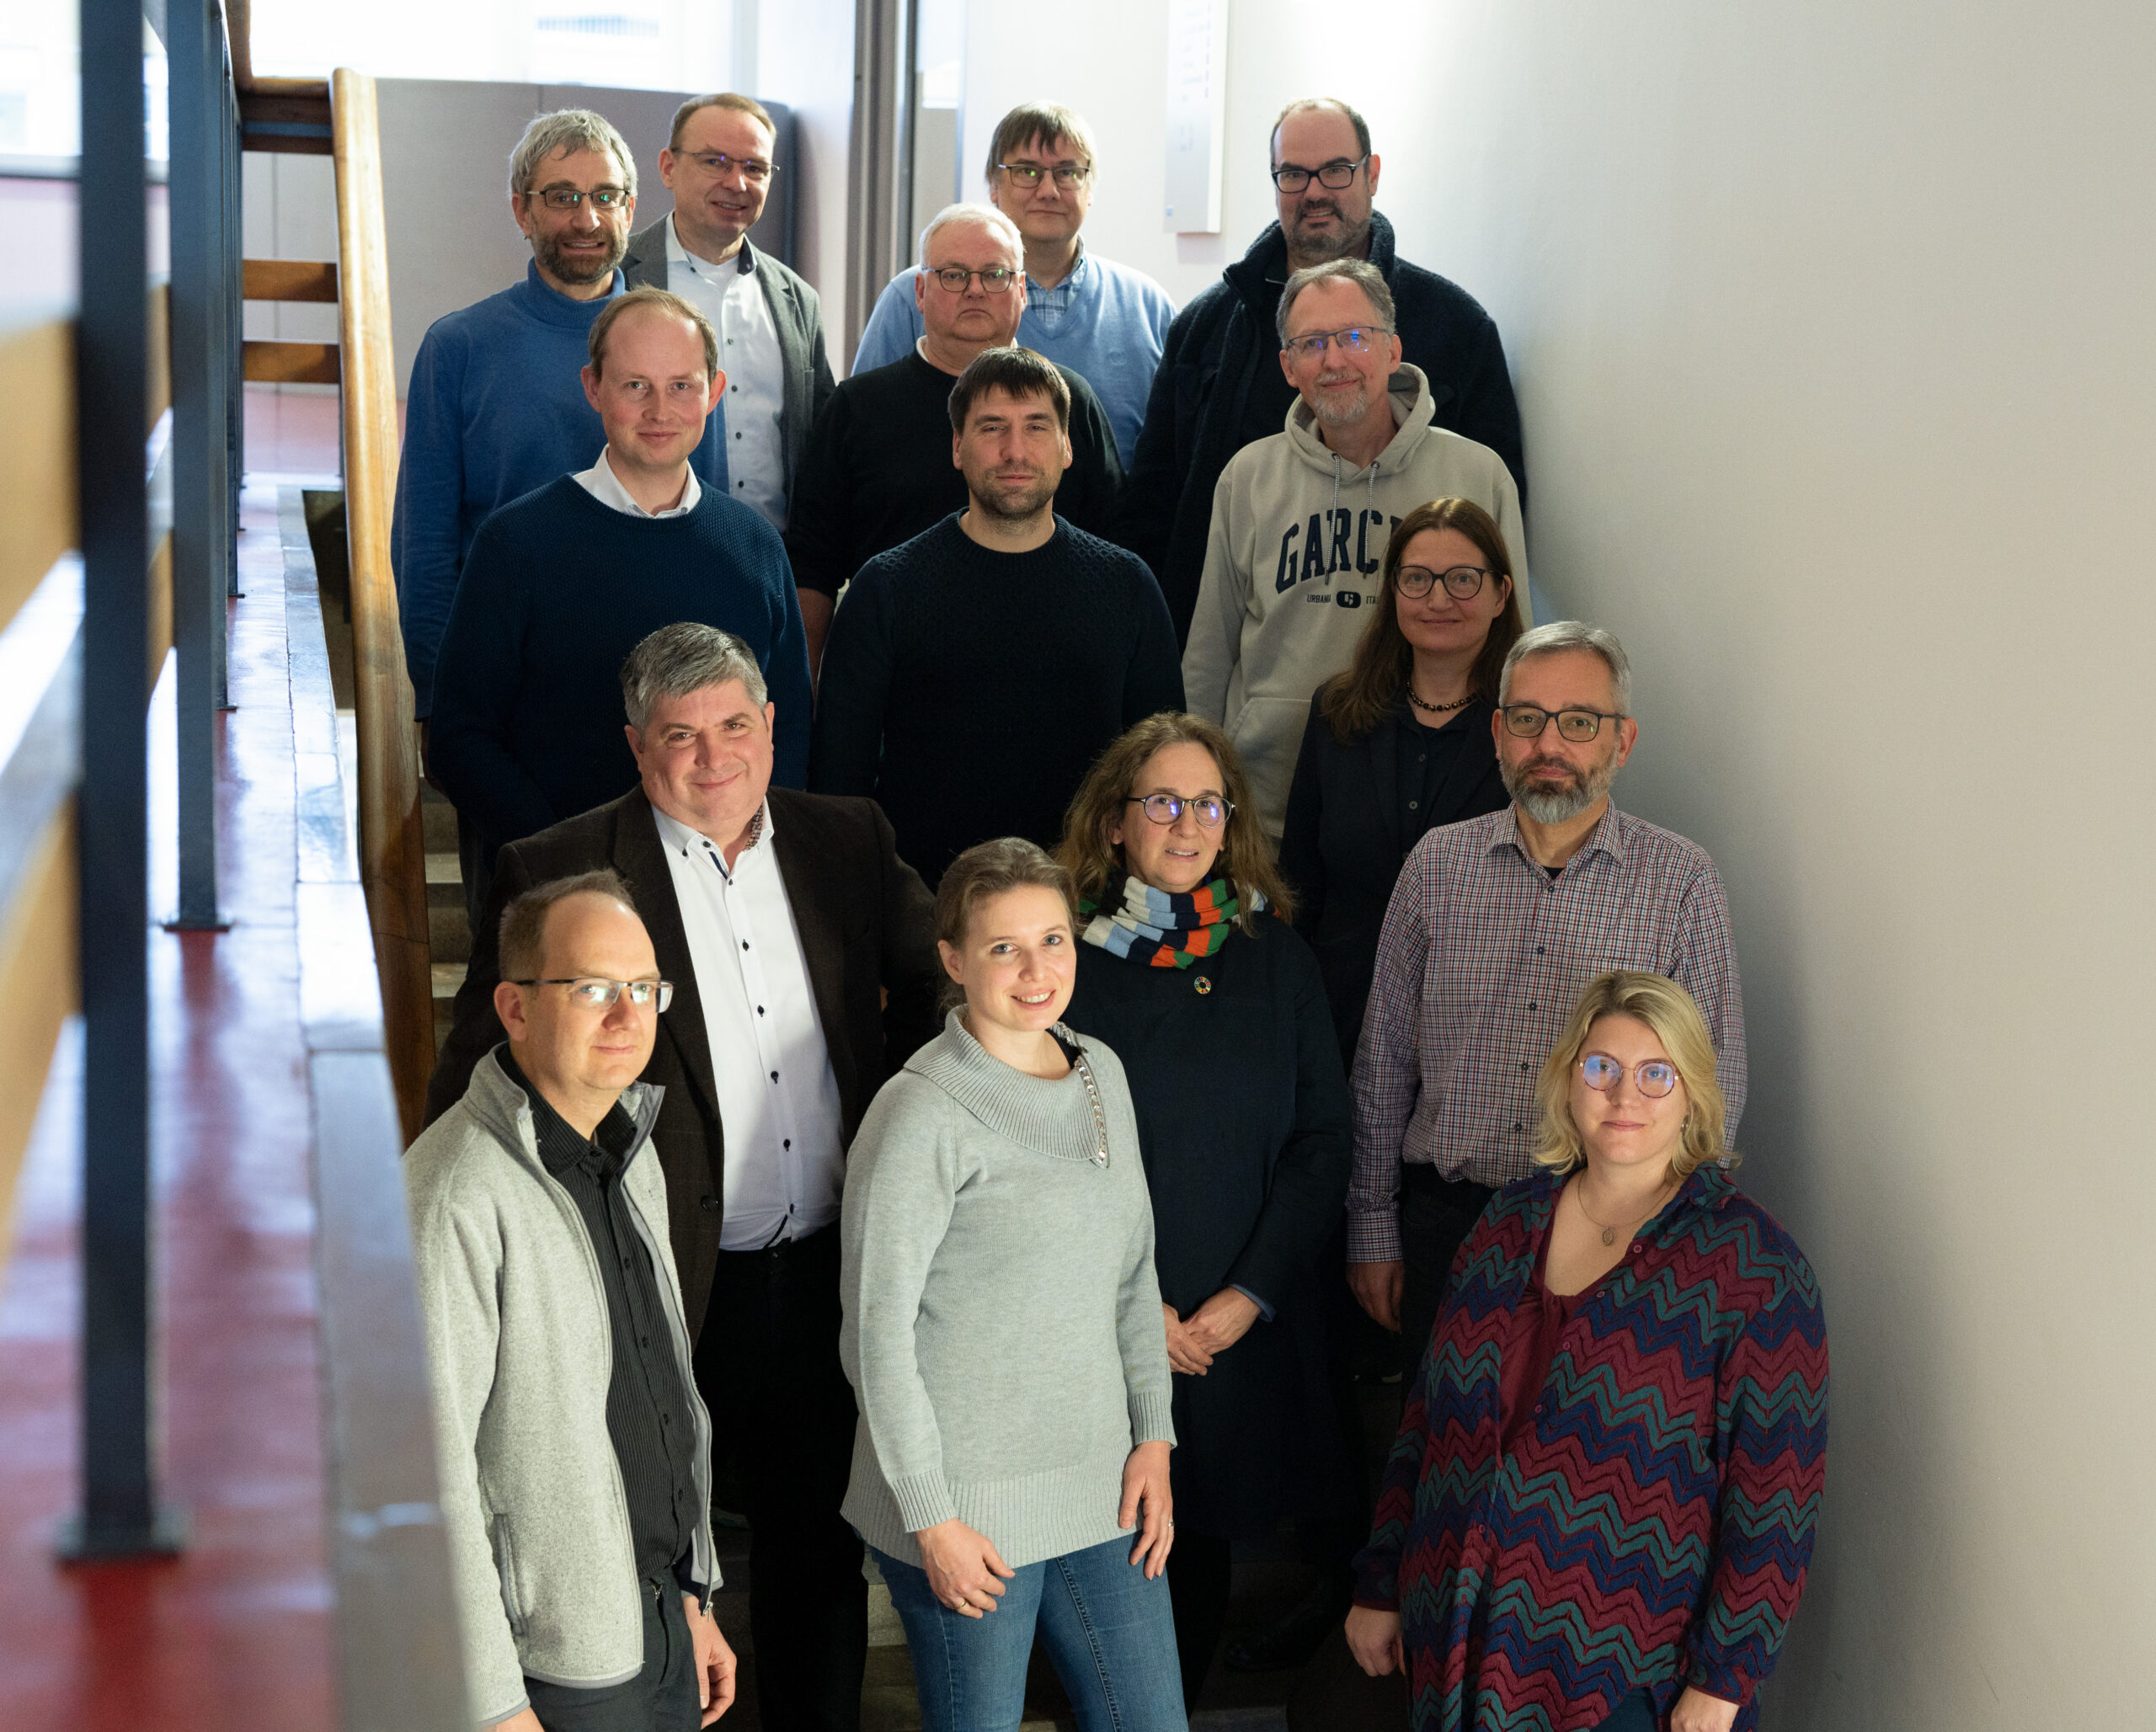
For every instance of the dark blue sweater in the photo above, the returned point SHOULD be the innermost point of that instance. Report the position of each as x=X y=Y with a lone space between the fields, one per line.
x=558 y=589
x=967 y=692
x=496 y=408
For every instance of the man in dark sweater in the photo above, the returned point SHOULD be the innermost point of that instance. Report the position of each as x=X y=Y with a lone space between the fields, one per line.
x=1221 y=385
x=874 y=475
x=564 y=583
x=975 y=672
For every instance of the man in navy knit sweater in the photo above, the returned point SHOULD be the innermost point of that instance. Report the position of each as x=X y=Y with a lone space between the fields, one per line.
x=976 y=671
x=561 y=585
x=494 y=409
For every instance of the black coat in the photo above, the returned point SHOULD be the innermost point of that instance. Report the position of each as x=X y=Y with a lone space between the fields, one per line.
x=1243 y=1122
x=865 y=923
x=1220 y=386
x=1346 y=840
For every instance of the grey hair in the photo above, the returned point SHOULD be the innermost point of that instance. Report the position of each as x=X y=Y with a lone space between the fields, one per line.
x=686 y=656
x=1561 y=635
x=973 y=213
x=1364 y=274
x=571 y=131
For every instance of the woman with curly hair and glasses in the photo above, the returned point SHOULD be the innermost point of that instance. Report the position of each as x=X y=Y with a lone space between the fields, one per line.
x=1188 y=969
x=1599 y=1509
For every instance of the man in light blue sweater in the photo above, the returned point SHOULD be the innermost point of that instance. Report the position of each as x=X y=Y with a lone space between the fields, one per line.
x=496 y=407
x=1105 y=321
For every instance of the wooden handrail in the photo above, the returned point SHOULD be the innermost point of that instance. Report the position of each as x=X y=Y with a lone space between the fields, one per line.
x=392 y=849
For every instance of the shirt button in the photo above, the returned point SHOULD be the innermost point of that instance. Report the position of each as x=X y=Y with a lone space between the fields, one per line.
x=1412 y=804
x=1637 y=1248
x=787 y=1143
x=1539 y=951
x=1522 y=1064
x=774 y=1076
x=1519 y=1128
x=759 y=1010
x=1530 y=1007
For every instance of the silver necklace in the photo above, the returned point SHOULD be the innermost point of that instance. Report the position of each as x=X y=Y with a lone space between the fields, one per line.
x=1609 y=1233
x=1094 y=1095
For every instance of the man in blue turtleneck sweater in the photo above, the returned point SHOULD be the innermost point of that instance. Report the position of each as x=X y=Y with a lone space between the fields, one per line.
x=564 y=583
x=496 y=407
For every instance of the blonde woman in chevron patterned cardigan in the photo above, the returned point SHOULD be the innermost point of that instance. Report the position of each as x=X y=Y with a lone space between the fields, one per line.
x=1599 y=1509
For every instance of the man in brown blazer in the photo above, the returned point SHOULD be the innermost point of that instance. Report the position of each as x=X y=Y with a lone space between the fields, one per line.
x=802 y=957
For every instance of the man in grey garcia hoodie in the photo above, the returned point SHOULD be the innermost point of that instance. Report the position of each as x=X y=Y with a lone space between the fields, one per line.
x=1301 y=520
x=575 y=1452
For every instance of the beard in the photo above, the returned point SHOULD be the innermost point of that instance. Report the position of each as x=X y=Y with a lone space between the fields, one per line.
x=579 y=268
x=1345 y=240
x=1333 y=413
x=1011 y=506
x=1554 y=805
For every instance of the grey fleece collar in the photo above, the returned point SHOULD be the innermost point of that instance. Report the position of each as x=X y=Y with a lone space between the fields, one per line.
x=505 y=1113
x=1052 y=1118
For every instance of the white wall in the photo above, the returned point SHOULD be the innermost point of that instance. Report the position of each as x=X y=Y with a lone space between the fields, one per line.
x=804 y=58
x=1832 y=327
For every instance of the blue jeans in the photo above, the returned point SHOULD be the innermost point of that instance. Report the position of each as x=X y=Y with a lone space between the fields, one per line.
x=1110 y=1632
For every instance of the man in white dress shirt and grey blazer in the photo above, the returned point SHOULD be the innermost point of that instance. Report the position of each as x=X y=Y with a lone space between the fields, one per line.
x=718 y=165
x=801 y=954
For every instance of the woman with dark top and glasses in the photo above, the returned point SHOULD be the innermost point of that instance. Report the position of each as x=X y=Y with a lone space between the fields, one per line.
x=1399 y=741
x=1189 y=971
x=1599 y=1509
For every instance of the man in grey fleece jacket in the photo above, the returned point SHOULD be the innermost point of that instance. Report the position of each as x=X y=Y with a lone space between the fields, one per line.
x=1301 y=520
x=575 y=1452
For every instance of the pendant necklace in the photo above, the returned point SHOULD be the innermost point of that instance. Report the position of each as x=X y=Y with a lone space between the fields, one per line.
x=1609 y=1233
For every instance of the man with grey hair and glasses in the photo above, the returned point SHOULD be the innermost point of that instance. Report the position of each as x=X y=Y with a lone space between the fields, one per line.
x=1495 y=927
x=719 y=163
x=1301 y=519
x=878 y=469
x=497 y=405
x=1217 y=389
x=1104 y=321
x=802 y=957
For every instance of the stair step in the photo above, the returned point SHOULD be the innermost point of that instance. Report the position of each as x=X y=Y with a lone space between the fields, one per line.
x=444 y=867
x=449 y=979
x=449 y=933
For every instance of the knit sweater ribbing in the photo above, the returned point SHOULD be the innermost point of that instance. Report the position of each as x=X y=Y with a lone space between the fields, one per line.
x=1003 y=1331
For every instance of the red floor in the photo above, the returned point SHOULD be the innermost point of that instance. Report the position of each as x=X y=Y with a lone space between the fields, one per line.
x=235 y=1633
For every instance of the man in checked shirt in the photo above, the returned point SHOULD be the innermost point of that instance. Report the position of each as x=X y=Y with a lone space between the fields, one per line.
x=1495 y=926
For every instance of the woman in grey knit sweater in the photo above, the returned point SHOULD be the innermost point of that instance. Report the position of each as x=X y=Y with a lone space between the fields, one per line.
x=1004 y=1339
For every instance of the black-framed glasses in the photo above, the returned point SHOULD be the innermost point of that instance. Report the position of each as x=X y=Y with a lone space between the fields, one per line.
x=1210 y=810
x=1028 y=175
x=995 y=280
x=591 y=992
x=568 y=198
x=1355 y=339
x=1525 y=721
x=1463 y=582
x=1653 y=1078
x=1340 y=173
x=753 y=169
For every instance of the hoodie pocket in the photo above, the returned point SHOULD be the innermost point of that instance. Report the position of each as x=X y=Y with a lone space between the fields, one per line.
x=513 y=1601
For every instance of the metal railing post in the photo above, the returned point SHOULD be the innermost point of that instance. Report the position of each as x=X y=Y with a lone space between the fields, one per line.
x=120 y=1515
x=195 y=44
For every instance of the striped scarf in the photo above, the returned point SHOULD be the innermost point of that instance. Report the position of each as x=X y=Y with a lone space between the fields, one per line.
x=1162 y=928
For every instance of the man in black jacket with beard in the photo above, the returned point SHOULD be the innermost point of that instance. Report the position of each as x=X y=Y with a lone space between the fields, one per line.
x=1221 y=385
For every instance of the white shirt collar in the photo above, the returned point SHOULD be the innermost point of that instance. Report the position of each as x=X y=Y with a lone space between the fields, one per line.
x=677 y=254
x=678 y=838
x=600 y=482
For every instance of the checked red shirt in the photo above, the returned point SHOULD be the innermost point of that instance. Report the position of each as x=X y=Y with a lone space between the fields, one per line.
x=1483 y=957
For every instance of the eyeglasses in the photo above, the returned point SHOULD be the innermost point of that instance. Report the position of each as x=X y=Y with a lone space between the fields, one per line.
x=1525 y=721
x=1463 y=582
x=995 y=280
x=1028 y=175
x=1291 y=178
x=568 y=198
x=1356 y=339
x=590 y=992
x=1210 y=810
x=753 y=169
x=1653 y=1078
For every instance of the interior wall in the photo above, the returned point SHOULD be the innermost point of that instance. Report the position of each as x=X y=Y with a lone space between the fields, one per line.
x=1831 y=330
x=804 y=58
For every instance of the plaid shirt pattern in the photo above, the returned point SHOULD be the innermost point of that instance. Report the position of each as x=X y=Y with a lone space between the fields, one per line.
x=1049 y=306
x=1481 y=959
